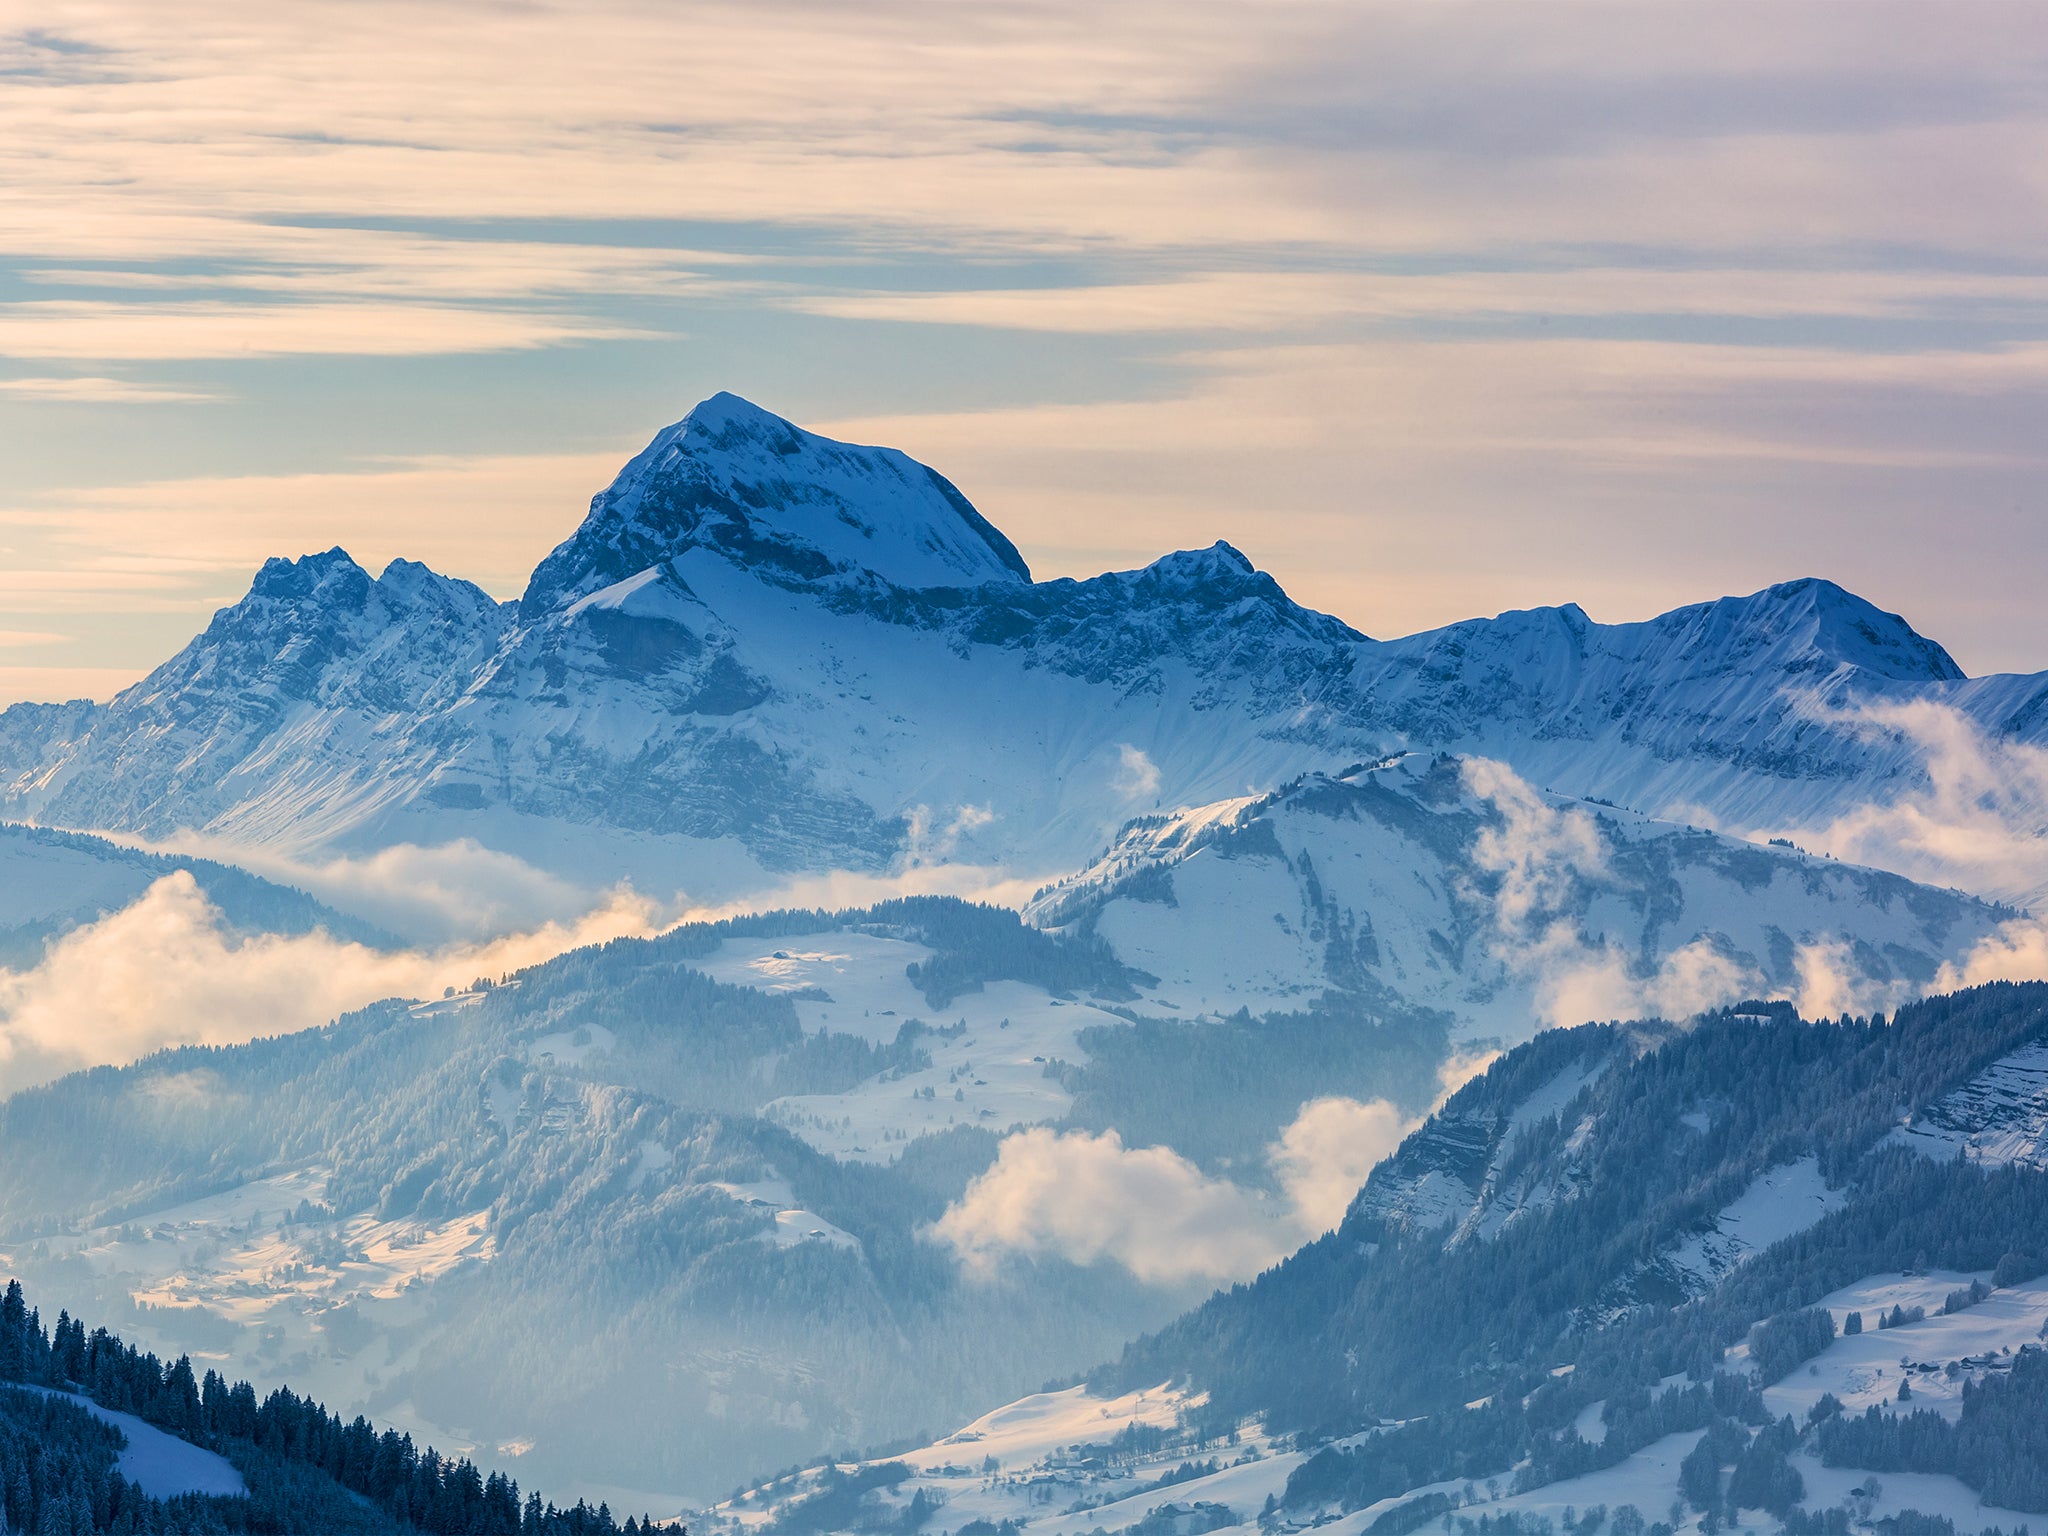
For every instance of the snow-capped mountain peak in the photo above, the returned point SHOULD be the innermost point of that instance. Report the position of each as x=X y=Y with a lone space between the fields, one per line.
x=1222 y=576
x=792 y=506
x=1828 y=622
x=333 y=575
x=301 y=615
x=1801 y=625
x=783 y=652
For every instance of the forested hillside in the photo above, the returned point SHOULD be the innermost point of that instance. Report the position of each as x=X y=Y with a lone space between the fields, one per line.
x=1386 y=1317
x=66 y=1392
x=1634 y=1279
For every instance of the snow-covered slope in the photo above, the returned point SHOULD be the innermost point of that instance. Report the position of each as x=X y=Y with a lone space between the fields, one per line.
x=1999 y=1117
x=1450 y=886
x=301 y=710
x=161 y=1465
x=983 y=1066
x=764 y=652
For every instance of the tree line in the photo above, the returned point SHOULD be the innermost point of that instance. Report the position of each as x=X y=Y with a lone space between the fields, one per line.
x=57 y=1460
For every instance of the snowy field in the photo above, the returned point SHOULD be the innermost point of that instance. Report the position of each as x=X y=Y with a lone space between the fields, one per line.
x=991 y=1050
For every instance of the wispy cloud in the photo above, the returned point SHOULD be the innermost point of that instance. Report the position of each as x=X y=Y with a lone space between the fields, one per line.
x=1544 y=859
x=1971 y=810
x=1370 y=126
x=88 y=389
x=79 y=328
x=1282 y=300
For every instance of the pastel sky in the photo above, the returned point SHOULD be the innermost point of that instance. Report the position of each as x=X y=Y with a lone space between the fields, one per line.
x=1434 y=309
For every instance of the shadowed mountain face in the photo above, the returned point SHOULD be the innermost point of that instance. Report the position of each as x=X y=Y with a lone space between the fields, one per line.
x=766 y=652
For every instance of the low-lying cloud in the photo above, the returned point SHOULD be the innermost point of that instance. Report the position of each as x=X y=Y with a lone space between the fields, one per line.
x=462 y=891
x=1547 y=859
x=1090 y=1199
x=428 y=895
x=1324 y=1155
x=168 y=970
x=1977 y=819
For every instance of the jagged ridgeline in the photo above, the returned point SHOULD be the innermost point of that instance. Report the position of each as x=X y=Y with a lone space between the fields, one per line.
x=1544 y=1250
x=763 y=651
x=98 y=1436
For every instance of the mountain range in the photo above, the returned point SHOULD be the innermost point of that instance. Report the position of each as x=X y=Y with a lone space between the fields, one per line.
x=665 y=1212
x=764 y=652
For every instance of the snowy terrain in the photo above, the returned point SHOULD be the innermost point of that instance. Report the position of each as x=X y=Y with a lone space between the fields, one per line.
x=1041 y=1460
x=1461 y=892
x=765 y=654
x=989 y=1049
x=160 y=1464
x=2000 y=1117
x=1783 y=1202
